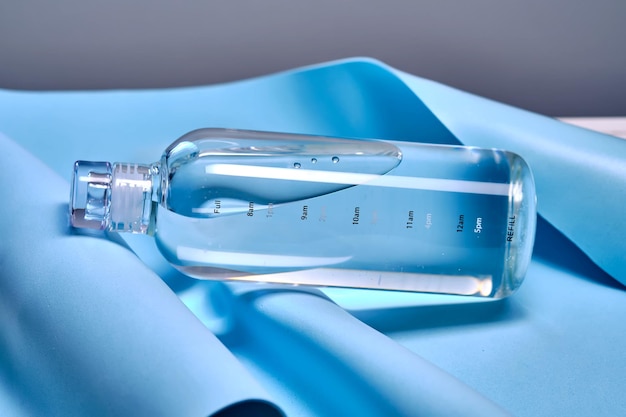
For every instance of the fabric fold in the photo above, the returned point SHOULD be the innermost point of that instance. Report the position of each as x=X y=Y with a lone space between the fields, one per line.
x=87 y=329
x=339 y=365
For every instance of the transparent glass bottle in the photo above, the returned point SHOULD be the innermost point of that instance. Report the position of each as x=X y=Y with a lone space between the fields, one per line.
x=307 y=210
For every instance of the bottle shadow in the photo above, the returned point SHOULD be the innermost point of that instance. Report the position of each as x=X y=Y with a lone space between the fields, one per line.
x=423 y=317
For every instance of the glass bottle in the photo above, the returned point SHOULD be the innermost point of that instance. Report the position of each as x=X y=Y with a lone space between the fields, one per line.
x=307 y=210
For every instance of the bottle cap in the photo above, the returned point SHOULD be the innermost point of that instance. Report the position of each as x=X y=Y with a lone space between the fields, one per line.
x=90 y=195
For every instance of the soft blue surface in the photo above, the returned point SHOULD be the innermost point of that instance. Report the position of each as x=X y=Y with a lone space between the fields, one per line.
x=555 y=347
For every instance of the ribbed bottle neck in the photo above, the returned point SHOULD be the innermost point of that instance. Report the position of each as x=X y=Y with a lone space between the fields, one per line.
x=130 y=208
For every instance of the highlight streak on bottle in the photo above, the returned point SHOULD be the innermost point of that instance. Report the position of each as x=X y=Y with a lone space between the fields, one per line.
x=432 y=283
x=352 y=178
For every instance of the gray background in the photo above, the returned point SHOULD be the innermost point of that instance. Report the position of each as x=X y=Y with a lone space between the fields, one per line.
x=560 y=57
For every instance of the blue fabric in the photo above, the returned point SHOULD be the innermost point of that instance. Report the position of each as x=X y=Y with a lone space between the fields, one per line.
x=555 y=347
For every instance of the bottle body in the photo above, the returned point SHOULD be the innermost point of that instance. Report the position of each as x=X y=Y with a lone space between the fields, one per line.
x=255 y=206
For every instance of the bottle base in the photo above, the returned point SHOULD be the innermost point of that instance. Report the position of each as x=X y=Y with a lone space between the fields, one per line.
x=522 y=221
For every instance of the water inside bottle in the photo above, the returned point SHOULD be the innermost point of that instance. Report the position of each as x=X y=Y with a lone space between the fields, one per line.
x=405 y=220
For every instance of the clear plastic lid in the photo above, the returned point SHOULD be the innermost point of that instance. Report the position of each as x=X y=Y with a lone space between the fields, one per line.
x=90 y=196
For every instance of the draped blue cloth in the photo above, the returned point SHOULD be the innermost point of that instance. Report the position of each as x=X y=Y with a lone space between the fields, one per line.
x=95 y=325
